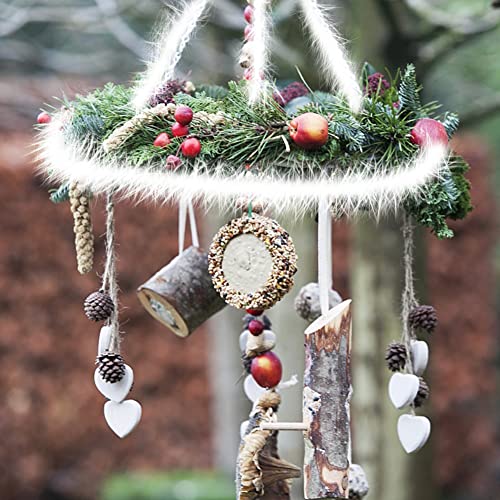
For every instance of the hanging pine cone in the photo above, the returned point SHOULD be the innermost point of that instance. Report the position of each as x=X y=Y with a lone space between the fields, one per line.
x=84 y=238
x=396 y=356
x=98 y=306
x=424 y=317
x=422 y=394
x=166 y=92
x=111 y=367
x=358 y=483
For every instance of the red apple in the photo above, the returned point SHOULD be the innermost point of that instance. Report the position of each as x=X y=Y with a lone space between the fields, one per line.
x=266 y=369
x=309 y=131
x=179 y=130
x=248 y=13
x=183 y=115
x=191 y=147
x=162 y=140
x=43 y=118
x=173 y=162
x=428 y=131
x=255 y=327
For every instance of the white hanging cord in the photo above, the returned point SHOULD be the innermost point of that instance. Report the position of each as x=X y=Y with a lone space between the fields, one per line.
x=258 y=51
x=324 y=254
x=334 y=59
x=109 y=280
x=168 y=49
x=195 y=241
x=185 y=208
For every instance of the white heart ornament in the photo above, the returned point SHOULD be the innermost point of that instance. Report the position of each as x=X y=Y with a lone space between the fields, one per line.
x=413 y=432
x=419 y=356
x=124 y=417
x=402 y=389
x=118 y=391
x=104 y=339
x=269 y=336
x=253 y=391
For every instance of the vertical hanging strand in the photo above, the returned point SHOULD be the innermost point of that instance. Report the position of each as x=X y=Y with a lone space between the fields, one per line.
x=168 y=50
x=335 y=62
x=324 y=254
x=109 y=281
x=258 y=51
x=409 y=300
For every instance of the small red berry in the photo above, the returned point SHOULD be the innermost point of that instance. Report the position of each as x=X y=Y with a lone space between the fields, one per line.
x=191 y=147
x=173 y=162
x=183 y=115
x=248 y=13
x=43 y=118
x=248 y=32
x=428 y=131
x=266 y=369
x=162 y=140
x=255 y=312
x=255 y=327
x=179 y=130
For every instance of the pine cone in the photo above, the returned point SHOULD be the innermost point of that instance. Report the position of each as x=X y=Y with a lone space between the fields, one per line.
x=424 y=317
x=111 y=367
x=166 y=92
x=422 y=394
x=358 y=484
x=396 y=356
x=98 y=306
x=84 y=238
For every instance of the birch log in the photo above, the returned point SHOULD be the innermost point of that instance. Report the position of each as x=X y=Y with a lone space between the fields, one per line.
x=181 y=295
x=327 y=392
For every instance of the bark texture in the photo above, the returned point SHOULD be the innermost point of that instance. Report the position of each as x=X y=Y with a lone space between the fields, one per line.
x=181 y=295
x=327 y=392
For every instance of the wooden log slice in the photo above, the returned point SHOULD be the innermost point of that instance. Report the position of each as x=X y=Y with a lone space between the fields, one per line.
x=327 y=392
x=181 y=295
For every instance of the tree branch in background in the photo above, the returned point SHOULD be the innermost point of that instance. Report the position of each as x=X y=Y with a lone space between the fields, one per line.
x=483 y=109
x=388 y=10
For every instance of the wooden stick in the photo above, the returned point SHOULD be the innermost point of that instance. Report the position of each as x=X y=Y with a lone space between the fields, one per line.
x=284 y=426
x=327 y=392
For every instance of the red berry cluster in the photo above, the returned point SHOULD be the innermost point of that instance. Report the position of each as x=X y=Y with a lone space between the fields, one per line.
x=190 y=147
x=265 y=368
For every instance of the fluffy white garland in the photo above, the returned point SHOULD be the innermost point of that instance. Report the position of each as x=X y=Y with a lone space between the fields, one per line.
x=363 y=187
x=258 y=52
x=167 y=51
x=334 y=59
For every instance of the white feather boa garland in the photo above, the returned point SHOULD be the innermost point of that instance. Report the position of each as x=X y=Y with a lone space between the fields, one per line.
x=365 y=187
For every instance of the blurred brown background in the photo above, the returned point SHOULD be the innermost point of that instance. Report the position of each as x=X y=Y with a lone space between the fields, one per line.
x=54 y=443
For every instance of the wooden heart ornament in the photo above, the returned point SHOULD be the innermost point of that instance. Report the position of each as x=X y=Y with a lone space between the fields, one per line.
x=419 y=356
x=402 y=389
x=413 y=432
x=118 y=391
x=123 y=417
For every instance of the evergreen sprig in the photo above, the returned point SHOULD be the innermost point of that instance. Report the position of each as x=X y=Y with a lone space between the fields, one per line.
x=256 y=136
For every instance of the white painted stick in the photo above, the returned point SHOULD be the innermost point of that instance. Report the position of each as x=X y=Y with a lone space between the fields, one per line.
x=324 y=254
x=284 y=426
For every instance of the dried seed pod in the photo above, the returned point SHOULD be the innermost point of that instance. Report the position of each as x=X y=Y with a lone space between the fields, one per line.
x=423 y=317
x=84 y=237
x=396 y=356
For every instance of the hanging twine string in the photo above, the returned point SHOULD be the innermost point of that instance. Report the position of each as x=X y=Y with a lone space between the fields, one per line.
x=109 y=281
x=409 y=300
x=186 y=208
